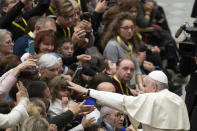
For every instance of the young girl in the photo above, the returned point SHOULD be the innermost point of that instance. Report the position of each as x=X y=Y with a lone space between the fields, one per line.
x=61 y=95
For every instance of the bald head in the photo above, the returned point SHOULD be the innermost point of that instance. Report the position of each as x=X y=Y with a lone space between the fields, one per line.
x=106 y=86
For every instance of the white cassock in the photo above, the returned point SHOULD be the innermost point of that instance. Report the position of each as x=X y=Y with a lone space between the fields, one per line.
x=160 y=111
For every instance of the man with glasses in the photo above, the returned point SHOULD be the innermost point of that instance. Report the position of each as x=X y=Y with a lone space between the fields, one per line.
x=112 y=120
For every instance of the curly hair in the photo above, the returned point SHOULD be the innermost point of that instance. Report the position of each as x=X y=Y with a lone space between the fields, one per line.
x=56 y=84
x=114 y=27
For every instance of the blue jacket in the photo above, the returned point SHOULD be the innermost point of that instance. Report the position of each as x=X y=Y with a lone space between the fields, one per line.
x=21 y=45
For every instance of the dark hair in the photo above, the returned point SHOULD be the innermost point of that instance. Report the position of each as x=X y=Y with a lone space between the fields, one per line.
x=9 y=61
x=113 y=30
x=36 y=89
x=3 y=3
x=4 y=108
x=31 y=24
x=41 y=37
x=61 y=41
x=99 y=78
x=120 y=60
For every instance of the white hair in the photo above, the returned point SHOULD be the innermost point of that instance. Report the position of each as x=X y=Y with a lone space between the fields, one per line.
x=105 y=111
x=160 y=85
x=47 y=60
x=4 y=32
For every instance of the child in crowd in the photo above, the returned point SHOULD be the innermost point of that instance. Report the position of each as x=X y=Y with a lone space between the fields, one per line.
x=61 y=95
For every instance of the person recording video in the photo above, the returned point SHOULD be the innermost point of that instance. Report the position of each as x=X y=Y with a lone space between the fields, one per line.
x=188 y=66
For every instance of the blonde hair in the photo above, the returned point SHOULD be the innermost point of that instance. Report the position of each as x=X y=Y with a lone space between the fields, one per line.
x=57 y=83
x=75 y=4
x=34 y=123
x=33 y=110
x=4 y=32
x=63 y=6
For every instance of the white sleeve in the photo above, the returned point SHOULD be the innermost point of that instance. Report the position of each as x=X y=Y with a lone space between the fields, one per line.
x=77 y=128
x=113 y=100
x=18 y=114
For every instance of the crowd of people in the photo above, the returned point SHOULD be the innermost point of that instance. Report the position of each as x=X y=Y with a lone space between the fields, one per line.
x=88 y=65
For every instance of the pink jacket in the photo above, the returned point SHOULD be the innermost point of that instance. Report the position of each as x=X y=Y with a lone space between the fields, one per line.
x=7 y=81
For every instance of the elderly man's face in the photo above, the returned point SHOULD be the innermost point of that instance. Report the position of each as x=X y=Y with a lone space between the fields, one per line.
x=50 y=72
x=149 y=87
x=116 y=119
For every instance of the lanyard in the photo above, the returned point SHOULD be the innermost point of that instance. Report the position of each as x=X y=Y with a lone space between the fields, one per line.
x=19 y=26
x=79 y=2
x=51 y=9
x=115 y=77
x=65 y=34
x=31 y=35
x=130 y=47
x=69 y=34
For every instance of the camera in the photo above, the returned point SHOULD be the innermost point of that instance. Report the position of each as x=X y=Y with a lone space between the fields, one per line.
x=188 y=48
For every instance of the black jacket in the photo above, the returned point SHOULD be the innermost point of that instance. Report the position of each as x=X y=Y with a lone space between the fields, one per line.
x=6 y=20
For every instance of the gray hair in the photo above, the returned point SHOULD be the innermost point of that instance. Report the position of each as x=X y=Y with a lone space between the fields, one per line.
x=4 y=32
x=47 y=60
x=43 y=20
x=160 y=85
x=35 y=124
x=105 y=111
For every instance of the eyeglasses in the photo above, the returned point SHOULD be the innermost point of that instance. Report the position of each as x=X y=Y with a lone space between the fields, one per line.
x=68 y=16
x=127 y=28
x=9 y=42
x=119 y=115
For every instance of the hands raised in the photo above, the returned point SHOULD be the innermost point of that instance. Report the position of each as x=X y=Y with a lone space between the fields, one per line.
x=80 y=108
x=22 y=91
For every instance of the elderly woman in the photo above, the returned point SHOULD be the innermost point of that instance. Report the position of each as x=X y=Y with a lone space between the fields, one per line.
x=6 y=43
x=121 y=41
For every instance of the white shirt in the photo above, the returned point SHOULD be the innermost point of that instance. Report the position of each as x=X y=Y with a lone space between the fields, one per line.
x=160 y=111
x=55 y=107
x=17 y=115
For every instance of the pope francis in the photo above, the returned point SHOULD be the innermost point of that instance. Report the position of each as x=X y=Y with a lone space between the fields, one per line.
x=157 y=109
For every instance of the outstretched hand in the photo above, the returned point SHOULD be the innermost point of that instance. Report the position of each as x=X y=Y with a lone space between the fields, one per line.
x=80 y=108
x=77 y=88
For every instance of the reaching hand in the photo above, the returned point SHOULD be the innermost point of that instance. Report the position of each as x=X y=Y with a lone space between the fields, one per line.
x=30 y=63
x=77 y=88
x=64 y=102
x=22 y=91
x=101 y=6
x=87 y=122
x=130 y=128
x=84 y=58
x=52 y=127
x=80 y=108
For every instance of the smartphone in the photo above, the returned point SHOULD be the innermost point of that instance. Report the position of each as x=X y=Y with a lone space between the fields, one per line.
x=86 y=16
x=31 y=47
x=77 y=72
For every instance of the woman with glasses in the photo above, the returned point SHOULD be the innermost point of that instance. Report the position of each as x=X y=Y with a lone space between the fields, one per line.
x=6 y=43
x=122 y=41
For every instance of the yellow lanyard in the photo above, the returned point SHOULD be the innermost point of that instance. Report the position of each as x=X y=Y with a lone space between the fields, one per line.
x=31 y=35
x=51 y=9
x=19 y=26
x=79 y=2
x=65 y=34
x=115 y=77
x=69 y=34
x=130 y=47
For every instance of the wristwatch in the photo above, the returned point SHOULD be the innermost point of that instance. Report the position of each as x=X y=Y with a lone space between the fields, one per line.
x=88 y=94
